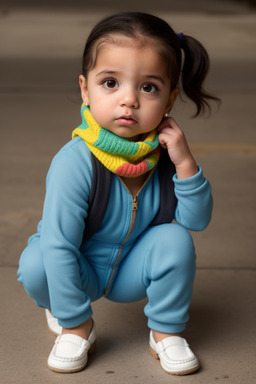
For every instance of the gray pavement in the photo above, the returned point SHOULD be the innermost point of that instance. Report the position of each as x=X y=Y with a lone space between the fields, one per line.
x=40 y=51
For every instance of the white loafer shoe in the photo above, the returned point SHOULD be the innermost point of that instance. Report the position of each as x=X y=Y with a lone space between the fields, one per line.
x=175 y=356
x=52 y=323
x=70 y=352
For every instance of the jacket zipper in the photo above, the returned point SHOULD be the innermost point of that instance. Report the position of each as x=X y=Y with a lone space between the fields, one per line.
x=135 y=207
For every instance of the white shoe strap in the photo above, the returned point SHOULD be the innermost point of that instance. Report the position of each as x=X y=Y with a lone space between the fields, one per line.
x=172 y=341
x=71 y=338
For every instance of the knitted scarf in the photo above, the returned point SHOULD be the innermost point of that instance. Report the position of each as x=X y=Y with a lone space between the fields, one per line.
x=121 y=156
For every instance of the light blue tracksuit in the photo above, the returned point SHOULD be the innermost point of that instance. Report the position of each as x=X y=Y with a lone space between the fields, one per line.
x=126 y=260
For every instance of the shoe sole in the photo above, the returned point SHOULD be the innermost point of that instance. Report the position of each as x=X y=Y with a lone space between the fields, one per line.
x=177 y=373
x=73 y=370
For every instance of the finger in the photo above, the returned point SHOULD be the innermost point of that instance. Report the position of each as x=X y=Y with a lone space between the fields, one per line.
x=164 y=139
x=168 y=123
x=166 y=130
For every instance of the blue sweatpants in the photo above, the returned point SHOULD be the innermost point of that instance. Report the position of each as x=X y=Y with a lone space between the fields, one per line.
x=159 y=266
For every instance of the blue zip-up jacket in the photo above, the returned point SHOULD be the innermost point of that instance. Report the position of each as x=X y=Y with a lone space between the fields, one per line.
x=65 y=209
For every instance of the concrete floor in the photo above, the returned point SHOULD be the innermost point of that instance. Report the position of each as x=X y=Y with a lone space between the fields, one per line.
x=40 y=53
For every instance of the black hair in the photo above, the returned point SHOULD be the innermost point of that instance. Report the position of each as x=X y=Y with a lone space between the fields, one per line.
x=139 y=25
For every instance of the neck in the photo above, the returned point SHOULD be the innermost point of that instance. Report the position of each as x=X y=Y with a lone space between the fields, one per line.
x=136 y=138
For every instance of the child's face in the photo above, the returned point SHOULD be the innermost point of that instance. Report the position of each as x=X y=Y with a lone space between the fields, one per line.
x=128 y=89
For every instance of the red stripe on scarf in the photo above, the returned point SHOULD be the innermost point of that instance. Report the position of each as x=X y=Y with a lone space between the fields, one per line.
x=131 y=169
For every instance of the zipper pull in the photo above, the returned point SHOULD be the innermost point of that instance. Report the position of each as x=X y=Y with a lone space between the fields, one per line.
x=135 y=203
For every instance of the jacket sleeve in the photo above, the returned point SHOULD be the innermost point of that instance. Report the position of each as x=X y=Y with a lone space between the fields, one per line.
x=65 y=209
x=194 y=201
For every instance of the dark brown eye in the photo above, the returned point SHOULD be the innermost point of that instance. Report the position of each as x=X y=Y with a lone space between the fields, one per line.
x=110 y=83
x=148 y=88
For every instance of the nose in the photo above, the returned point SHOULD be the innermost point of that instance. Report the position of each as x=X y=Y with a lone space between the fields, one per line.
x=129 y=98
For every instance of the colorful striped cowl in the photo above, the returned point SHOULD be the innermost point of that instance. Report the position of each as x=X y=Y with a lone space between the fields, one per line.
x=121 y=156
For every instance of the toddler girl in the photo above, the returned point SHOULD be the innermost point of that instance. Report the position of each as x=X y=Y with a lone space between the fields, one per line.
x=114 y=190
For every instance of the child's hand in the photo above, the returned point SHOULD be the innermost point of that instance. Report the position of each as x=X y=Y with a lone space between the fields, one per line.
x=173 y=139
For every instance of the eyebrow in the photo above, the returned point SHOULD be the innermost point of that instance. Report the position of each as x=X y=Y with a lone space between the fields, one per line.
x=108 y=72
x=155 y=77
x=105 y=72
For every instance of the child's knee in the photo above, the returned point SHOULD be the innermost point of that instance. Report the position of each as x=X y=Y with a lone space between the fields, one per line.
x=31 y=271
x=172 y=235
x=180 y=240
x=172 y=246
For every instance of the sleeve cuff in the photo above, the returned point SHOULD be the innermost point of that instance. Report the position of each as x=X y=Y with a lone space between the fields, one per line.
x=190 y=183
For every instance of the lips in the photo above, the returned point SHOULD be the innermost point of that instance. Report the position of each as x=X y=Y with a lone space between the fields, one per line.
x=126 y=120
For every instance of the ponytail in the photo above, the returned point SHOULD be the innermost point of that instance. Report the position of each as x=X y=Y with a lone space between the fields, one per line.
x=195 y=68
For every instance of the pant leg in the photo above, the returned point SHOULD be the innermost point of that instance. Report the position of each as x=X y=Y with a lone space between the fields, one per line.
x=160 y=266
x=31 y=274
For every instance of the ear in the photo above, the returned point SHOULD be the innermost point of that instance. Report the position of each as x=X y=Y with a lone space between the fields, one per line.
x=84 y=89
x=171 y=100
